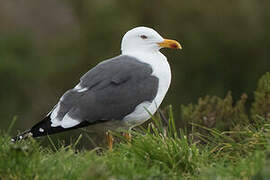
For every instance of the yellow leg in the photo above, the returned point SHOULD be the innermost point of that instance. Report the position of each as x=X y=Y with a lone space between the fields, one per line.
x=110 y=140
x=127 y=136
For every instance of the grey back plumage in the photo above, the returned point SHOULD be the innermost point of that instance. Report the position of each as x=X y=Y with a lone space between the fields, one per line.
x=113 y=89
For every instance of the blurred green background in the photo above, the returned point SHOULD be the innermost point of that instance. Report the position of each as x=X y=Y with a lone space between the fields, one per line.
x=45 y=46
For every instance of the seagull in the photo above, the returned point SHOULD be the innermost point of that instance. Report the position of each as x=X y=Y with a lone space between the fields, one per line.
x=119 y=93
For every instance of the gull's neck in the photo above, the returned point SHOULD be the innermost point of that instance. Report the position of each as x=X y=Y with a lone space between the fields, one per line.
x=144 y=56
x=155 y=58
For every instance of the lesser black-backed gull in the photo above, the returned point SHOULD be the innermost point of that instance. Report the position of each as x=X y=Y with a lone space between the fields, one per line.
x=118 y=93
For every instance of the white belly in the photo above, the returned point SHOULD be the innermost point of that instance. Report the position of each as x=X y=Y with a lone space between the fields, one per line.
x=161 y=69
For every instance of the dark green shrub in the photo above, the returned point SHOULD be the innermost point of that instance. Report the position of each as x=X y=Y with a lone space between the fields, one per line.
x=215 y=112
x=261 y=105
x=213 y=115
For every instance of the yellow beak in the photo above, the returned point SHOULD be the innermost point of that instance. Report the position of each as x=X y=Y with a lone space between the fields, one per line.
x=169 y=43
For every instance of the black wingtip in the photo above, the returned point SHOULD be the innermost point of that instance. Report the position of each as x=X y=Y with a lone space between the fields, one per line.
x=44 y=128
x=24 y=135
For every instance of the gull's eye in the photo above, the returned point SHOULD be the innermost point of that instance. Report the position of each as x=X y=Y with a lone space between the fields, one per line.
x=143 y=36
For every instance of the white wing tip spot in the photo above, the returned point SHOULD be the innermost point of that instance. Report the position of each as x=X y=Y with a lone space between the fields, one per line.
x=41 y=130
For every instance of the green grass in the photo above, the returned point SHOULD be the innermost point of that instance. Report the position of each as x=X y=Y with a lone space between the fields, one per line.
x=155 y=152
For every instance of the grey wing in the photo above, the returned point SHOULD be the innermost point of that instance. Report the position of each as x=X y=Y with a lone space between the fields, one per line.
x=109 y=91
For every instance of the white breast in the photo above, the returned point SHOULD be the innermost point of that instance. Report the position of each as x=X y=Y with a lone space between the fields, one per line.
x=161 y=69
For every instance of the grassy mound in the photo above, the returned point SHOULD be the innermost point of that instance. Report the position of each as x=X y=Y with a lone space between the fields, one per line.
x=222 y=140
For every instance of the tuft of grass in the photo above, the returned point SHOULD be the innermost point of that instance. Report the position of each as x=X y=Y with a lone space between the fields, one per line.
x=28 y=160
